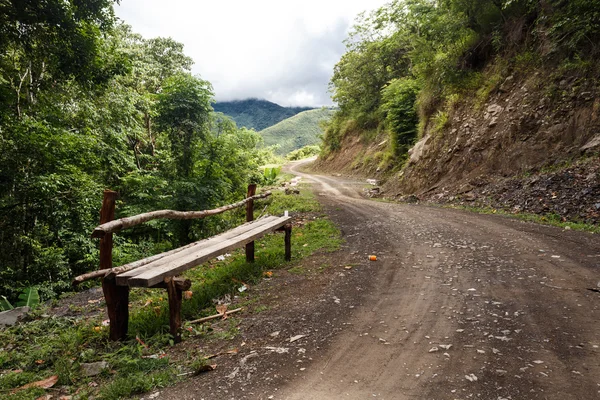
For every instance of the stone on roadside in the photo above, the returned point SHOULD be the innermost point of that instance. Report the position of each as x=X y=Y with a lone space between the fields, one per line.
x=93 y=369
x=11 y=317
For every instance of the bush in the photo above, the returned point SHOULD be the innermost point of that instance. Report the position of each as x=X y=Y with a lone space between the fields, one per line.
x=399 y=99
x=304 y=152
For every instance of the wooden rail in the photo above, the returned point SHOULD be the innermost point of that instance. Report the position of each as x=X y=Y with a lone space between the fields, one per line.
x=116 y=281
x=127 y=222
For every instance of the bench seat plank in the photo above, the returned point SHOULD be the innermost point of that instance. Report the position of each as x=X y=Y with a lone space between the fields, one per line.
x=150 y=277
x=122 y=279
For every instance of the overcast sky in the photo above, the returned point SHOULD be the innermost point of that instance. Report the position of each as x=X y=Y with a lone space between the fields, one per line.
x=283 y=51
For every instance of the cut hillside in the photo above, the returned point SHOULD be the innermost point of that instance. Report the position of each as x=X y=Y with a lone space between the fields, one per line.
x=255 y=113
x=303 y=129
x=482 y=104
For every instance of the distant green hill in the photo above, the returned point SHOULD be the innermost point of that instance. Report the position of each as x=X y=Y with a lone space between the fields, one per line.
x=256 y=114
x=298 y=131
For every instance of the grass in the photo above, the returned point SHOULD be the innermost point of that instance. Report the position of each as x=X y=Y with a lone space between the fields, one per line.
x=547 y=219
x=46 y=346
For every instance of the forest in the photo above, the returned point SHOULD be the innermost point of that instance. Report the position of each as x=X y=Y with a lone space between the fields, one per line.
x=86 y=105
x=256 y=114
x=409 y=63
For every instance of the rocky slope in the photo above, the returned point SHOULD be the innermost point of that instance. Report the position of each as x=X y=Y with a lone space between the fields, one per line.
x=533 y=147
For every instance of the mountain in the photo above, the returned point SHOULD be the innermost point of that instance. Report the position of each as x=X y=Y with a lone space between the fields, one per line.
x=298 y=131
x=255 y=113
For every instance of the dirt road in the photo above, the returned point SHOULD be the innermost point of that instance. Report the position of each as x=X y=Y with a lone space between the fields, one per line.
x=457 y=306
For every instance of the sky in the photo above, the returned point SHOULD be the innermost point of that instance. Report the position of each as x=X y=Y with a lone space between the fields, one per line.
x=283 y=51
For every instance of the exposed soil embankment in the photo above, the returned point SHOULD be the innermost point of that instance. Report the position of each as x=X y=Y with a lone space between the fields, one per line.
x=533 y=147
x=570 y=193
x=358 y=156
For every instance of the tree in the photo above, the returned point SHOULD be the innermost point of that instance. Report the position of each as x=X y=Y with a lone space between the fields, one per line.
x=183 y=113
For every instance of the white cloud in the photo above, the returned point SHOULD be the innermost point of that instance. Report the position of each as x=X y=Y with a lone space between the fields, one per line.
x=283 y=51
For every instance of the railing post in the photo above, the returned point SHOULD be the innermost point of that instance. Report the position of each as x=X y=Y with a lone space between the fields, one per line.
x=117 y=297
x=250 y=217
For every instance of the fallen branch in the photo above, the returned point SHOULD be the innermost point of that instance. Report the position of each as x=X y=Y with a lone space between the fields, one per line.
x=198 y=321
x=128 y=222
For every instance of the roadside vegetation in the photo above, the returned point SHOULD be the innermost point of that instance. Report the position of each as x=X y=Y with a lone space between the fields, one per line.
x=411 y=63
x=304 y=152
x=49 y=345
x=546 y=219
x=122 y=113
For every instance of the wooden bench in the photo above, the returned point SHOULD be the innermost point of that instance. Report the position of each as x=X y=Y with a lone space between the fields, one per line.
x=163 y=270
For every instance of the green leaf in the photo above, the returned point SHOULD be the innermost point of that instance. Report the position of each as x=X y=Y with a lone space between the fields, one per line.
x=30 y=298
x=5 y=304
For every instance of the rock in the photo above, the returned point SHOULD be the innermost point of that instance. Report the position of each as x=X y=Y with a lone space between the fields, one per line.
x=434 y=349
x=409 y=199
x=93 y=369
x=470 y=196
x=493 y=122
x=593 y=144
x=374 y=192
x=494 y=109
x=11 y=317
x=291 y=191
x=416 y=152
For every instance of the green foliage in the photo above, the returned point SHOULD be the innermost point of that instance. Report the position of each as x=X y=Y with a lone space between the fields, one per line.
x=574 y=27
x=29 y=298
x=88 y=105
x=270 y=175
x=5 y=304
x=440 y=121
x=399 y=104
x=445 y=46
x=279 y=202
x=304 y=152
x=335 y=131
x=303 y=129
x=58 y=346
x=255 y=113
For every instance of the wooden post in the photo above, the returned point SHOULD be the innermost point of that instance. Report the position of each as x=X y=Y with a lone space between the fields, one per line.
x=117 y=297
x=250 y=217
x=175 y=297
x=288 y=242
x=107 y=214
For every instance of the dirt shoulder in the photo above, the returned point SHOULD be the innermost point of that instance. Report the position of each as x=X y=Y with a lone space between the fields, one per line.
x=457 y=306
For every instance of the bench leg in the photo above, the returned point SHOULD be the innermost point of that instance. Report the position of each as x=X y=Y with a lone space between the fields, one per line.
x=250 y=252
x=117 y=304
x=288 y=242
x=175 y=297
